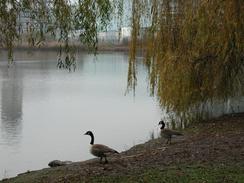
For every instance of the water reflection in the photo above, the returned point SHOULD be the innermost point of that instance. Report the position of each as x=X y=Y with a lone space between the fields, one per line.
x=11 y=105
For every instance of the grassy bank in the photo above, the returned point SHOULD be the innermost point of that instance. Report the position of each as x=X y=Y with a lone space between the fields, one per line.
x=233 y=173
x=210 y=151
x=182 y=174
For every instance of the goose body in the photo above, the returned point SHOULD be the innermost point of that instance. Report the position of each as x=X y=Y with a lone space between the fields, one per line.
x=167 y=133
x=100 y=150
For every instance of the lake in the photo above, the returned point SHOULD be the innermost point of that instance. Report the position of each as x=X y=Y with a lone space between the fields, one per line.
x=45 y=111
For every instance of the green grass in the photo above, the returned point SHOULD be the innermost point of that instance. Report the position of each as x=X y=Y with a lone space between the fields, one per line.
x=174 y=174
x=183 y=174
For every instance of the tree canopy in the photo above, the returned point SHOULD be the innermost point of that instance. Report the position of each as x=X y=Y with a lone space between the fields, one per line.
x=33 y=21
x=193 y=49
x=194 y=52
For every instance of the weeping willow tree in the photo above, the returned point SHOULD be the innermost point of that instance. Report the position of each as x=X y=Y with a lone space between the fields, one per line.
x=193 y=49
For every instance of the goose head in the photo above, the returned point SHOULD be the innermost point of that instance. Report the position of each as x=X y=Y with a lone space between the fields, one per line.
x=161 y=123
x=91 y=135
x=88 y=133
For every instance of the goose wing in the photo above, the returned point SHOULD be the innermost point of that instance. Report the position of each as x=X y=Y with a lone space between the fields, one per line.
x=171 y=132
x=104 y=149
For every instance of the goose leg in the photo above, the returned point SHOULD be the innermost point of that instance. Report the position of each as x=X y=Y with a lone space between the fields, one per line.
x=101 y=158
x=106 y=161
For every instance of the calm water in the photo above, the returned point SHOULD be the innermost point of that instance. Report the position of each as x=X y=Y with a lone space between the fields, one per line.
x=45 y=111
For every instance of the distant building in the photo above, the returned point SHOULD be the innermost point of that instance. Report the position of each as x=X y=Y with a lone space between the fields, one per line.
x=25 y=22
x=125 y=34
x=115 y=36
x=111 y=36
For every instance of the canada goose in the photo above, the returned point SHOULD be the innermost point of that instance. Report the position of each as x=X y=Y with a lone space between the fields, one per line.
x=167 y=133
x=100 y=150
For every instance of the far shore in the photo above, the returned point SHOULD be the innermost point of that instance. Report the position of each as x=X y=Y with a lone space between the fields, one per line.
x=56 y=47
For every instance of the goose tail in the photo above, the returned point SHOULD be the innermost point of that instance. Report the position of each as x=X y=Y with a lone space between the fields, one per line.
x=178 y=133
x=116 y=152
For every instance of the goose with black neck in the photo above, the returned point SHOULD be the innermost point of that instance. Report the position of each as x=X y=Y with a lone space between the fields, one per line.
x=167 y=133
x=100 y=150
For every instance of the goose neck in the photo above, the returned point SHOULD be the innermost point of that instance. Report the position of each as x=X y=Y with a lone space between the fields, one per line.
x=92 y=139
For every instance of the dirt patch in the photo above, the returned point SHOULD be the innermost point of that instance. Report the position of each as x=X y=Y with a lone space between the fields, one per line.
x=218 y=141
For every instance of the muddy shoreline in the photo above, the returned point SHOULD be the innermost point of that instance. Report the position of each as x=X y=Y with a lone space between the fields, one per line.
x=214 y=142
